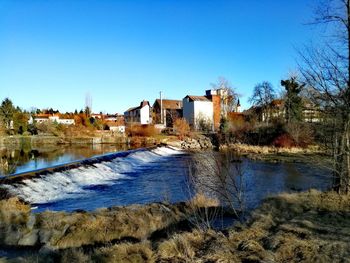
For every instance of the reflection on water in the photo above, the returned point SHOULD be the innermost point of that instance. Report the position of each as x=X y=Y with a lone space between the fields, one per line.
x=243 y=183
x=17 y=159
x=263 y=179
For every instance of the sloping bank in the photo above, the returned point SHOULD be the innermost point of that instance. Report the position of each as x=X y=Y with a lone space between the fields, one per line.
x=305 y=227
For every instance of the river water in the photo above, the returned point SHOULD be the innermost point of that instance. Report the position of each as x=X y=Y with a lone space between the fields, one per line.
x=144 y=176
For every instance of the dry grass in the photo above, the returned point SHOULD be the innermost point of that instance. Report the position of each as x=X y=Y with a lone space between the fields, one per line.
x=186 y=247
x=182 y=128
x=14 y=218
x=79 y=131
x=142 y=130
x=296 y=228
x=74 y=255
x=201 y=200
x=126 y=252
x=63 y=230
x=246 y=148
x=305 y=227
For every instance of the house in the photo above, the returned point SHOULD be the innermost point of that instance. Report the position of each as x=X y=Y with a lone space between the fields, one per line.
x=99 y=116
x=115 y=127
x=111 y=117
x=277 y=110
x=40 y=118
x=139 y=115
x=203 y=112
x=198 y=112
x=171 y=110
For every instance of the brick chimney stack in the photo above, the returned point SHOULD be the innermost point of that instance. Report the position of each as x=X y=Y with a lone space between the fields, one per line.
x=214 y=96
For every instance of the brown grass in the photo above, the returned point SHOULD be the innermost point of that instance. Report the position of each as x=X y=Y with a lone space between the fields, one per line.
x=201 y=200
x=246 y=148
x=14 y=217
x=182 y=128
x=305 y=227
x=76 y=229
x=185 y=247
x=126 y=252
x=142 y=130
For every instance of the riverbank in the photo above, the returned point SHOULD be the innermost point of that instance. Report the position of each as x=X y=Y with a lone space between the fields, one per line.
x=34 y=141
x=312 y=154
x=305 y=227
x=40 y=140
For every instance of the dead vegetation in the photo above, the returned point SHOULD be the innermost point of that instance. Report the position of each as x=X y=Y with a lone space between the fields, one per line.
x=246 y=148
x=315 y=155
x=305 y=227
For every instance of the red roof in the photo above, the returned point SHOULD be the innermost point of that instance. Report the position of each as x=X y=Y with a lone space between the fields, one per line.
x=197 y=98
x=142 y=104
x=170 y=104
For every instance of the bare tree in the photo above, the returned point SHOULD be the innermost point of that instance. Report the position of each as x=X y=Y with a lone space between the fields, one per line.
x=262 y=97
x=229 y=96
x=220 y=176
x=326 y=70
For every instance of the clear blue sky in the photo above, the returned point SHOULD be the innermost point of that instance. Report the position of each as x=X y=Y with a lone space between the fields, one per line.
x=53 y=52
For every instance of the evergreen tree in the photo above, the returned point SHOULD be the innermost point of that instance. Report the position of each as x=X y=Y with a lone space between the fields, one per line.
x=20 y=121
x=293 y=102
x=6 y=112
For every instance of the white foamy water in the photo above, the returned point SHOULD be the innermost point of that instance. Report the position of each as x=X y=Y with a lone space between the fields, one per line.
x=75 y=182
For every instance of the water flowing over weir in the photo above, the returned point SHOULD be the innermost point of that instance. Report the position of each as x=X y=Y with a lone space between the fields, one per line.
x=155 y=174
x=105 y=180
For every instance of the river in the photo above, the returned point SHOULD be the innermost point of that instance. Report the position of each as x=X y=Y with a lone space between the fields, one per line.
x=145 y=176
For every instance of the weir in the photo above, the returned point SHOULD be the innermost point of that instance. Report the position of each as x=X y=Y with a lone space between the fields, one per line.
x=83 y=178
x=17 y=177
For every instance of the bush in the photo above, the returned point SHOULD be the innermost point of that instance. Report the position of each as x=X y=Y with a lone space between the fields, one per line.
x=284 y=141
x=236 y=128
x=26 y=133
x=142 y=130
x=78 y=131
x=48 y=127
x=182 y=128
x=301 y=133
x=204 y=124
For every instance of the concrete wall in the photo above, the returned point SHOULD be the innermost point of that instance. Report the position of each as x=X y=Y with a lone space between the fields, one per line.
x=188 y=111
x=144 y=115
x=193 y=111
x=203 y=110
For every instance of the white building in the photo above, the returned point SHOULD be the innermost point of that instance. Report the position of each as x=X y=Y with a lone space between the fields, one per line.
x=115 y=127
x=40 y=118
x=140 y=114
x=198 y=111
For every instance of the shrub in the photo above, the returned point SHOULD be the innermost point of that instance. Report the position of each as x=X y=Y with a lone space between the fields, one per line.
x=284 y=141
x=182 y=128
x=204 y=124
x=301 y=133
x=48 y=128
x=78 y=131
x=142 y=130
x=236 y=128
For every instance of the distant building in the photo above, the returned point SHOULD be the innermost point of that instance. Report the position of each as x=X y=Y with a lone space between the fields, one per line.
x=40 y=118
x=205 y=112
x=172 y=109
x=99 y=116
x=111 y=117
x=238 y=106
x=198 y=112
x=277 y=110
x=139 y=115
x=115 y=127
